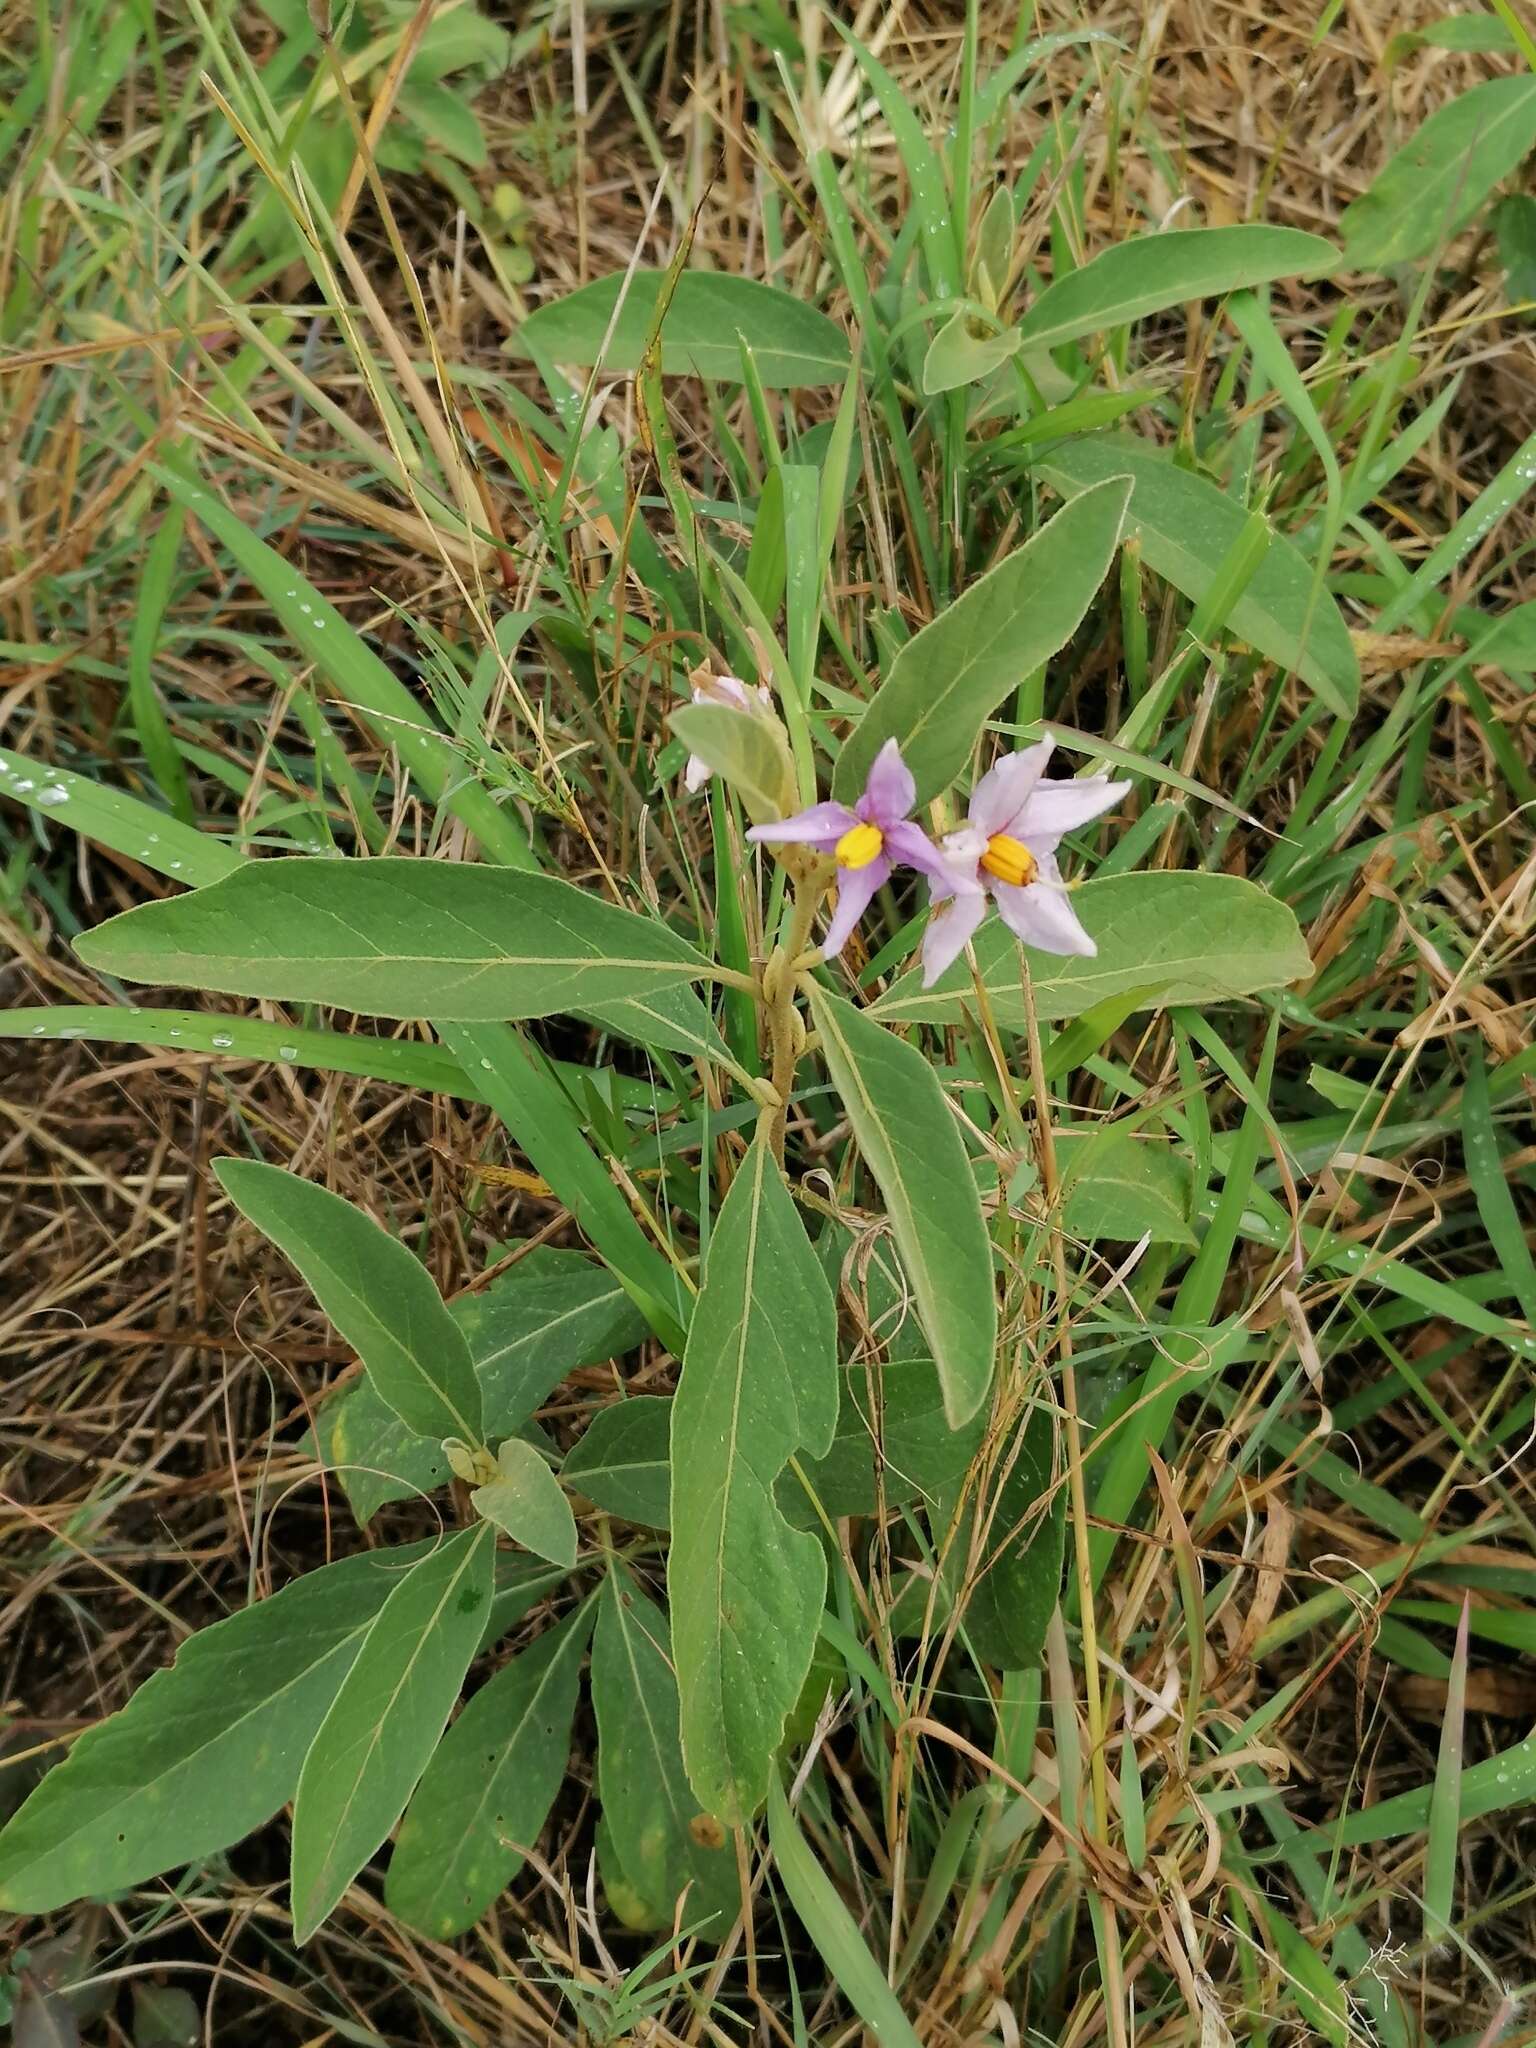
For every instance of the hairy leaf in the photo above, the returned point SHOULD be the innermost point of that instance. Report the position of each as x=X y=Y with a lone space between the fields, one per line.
x=662 y=1843
x=386 y=1719
x=912 y=1146
x=759 y=1385
x=381 y=1299
x=1167 y=938
x=947 y=680
x=486 y=1794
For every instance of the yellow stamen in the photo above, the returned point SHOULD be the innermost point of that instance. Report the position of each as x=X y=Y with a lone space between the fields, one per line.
x=1009 y=860
x=859 y=845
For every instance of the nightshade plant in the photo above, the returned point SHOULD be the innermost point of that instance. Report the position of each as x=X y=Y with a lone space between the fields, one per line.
x=857 y=1146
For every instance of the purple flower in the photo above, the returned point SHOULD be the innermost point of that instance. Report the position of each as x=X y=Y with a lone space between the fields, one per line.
x=868 y=841
x=1008 y=847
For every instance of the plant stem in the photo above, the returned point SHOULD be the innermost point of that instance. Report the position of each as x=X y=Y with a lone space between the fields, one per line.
x=786 y=1028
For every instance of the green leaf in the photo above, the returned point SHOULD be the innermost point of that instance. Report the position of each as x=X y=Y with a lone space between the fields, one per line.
x=1452 y=32
x=405 y=1063
x=748 y=751
x=647 y=1804
x=398 y=938
x=521 y=1583
x=1152 y=272
x=1165 y=938
x=912 y=1146
x=525 y=1501
x=487 y=1792
x=165 y=2017
x=832 y=1927
x=892 y=1415
x=1496 y=1784
x=1121 y=1185
x=110 y=818
x=759 y=1384
x=1188 y=529
x=948 y=679
x=792 y=343
x=547 y=1316
x=380 y=1298
x=958 y=356
x=1018 y=1575
x=203 y=1752
x=445 y=120
x=1514 y=224
x=377 y=1457
x=1435 y=183
x=621 y=1463
x=386 y=1720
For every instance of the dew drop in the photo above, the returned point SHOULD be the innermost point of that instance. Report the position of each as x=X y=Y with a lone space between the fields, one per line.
x=55 y=793
x=287 y=1052
x=221 y=1041
x=175 y=1031
x=39 y=1030
x=72 y=1031
x=486 y=1064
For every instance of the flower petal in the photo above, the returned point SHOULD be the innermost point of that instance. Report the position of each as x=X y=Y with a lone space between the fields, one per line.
x=696 y=774
x=821 y=826
x=890 y=791
x=726 y=690
x=959 y=858
x=1042 y=914
x=910 y=847
x=950 y=925
x=1054 y=808
x=855 y=887
x=1003 y=791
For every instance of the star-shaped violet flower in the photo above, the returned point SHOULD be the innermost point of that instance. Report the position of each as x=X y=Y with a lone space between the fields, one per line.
x=1007 y=848
x=868 y=841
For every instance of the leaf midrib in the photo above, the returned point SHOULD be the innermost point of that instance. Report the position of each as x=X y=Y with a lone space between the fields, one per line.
x=471 y=1551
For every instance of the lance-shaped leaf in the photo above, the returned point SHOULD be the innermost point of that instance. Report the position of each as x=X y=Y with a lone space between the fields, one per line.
x=399 y=938
x=612 y=321
x=378 y=1295
x=1163 y=938
x=759 y=1385
x=550 y=1313
x=204 y=1751
x=912 y=1146
x=386 y=1719
x=1151 y=272
x=1188 y=529
x=947 y=680
x=487 y=1792
x=1442 y=174
x=653 y=1819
